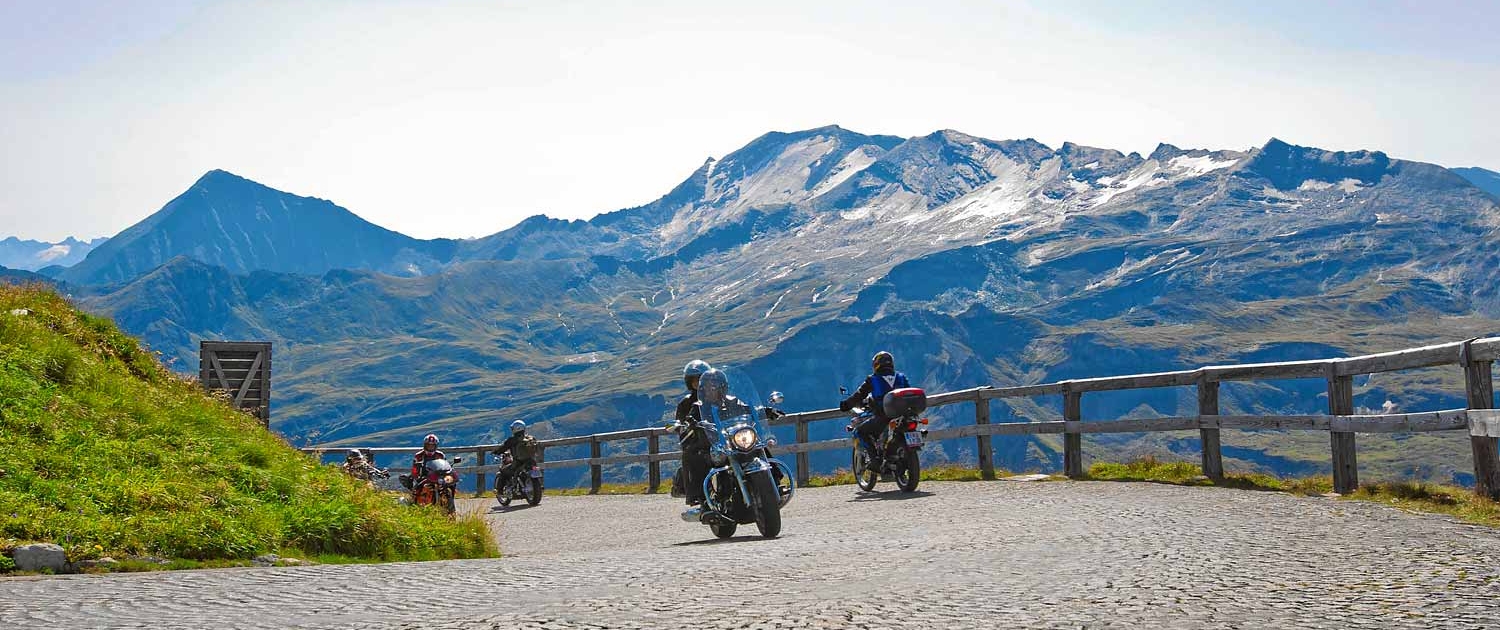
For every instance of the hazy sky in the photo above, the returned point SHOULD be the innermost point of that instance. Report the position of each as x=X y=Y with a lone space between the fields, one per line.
x=461 y=118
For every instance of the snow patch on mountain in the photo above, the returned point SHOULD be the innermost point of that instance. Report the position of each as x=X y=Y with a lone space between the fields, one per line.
x=1199 y=165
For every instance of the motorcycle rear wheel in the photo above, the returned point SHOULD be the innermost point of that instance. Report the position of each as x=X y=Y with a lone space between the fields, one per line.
x=536 y=492
x=863 y=476
x=768 y=505
x=909 y=472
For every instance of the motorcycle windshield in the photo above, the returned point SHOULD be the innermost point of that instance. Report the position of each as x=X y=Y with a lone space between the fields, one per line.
x=741 y=409
x=439 y=467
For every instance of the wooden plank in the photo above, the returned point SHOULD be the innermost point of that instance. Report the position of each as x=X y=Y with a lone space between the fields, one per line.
x=1072 y=440
x=218 y=371
x=1133 y=425
x=239 y=396
x=1208 y=405
x=235 y=346
x=1450 y=420
x=963 y=395
x=1022 y=391
x=1484 y=422
x=1266 y=371
x=1487 y=349
x=596 y=471
x=808 y=416
x=1442 y=354
x=823 y=445
x=986 y=447
x=804 y=472
x=1004 y=428
x=653 y=467
x=1132 y=381
x=480 y=457
x=1480 y=394
x=1341 y=403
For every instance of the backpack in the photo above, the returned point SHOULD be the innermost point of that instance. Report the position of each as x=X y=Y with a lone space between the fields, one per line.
x=525 y=448
x=882 y=384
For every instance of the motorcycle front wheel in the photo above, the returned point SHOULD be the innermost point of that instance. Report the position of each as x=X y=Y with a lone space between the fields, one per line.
x=767 y=505
x=502 y=496
x=536 y=492
x=723 y=531
x=863 y=476
x=449 y=505
x=910 y=472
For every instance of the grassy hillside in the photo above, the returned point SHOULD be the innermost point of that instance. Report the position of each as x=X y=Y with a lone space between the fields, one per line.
x=106 y=452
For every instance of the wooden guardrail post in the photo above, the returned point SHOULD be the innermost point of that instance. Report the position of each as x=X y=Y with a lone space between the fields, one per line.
x=1073 y=440
x=1341 y=403
x=986 y=446
x=479 y=457
x=1479 y=389
x=653 y=468
x=803 y=474
x=1208 y=405
x=596 y=471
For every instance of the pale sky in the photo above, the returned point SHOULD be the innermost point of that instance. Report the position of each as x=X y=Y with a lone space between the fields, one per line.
x=459 y=119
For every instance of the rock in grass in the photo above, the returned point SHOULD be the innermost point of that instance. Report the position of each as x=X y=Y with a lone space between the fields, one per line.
x=266 y=560
x=40 y=557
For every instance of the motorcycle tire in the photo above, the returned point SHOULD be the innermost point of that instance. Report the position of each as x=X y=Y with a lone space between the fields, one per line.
x=723 y=531
x=536 y=492
x=863 y=476
x=449 y=505
x=767 y=505
x=909 y=472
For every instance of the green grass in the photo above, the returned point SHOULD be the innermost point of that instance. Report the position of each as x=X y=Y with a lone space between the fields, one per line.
x=107 y=453
x=947 y=472
x=608 y=488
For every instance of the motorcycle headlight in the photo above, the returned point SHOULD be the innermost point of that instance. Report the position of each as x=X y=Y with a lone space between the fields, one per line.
x=744 y=439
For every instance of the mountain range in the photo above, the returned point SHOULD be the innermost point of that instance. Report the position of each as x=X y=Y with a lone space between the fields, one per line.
x=799 y=255
x=34 y=255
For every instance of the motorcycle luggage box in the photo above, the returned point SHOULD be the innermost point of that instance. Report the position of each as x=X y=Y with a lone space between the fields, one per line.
x=907 y=401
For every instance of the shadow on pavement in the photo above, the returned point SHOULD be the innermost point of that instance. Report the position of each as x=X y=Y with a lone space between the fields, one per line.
x=721 y=541
x=893 y=495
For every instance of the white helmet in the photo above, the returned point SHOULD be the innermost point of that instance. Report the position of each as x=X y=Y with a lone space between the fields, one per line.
x=518 y=427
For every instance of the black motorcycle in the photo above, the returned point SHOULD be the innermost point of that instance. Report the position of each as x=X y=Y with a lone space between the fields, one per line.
x=746 y=485
x=900 y=442
x=524 y=484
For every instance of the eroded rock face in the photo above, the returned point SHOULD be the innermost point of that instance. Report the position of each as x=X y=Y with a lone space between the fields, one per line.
x=41 y=557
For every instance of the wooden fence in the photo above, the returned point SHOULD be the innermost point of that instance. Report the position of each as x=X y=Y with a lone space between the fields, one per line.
x=1475 y=357
x=241 y=369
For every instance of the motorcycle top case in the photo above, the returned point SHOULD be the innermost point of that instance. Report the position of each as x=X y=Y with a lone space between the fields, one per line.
x=907 y=401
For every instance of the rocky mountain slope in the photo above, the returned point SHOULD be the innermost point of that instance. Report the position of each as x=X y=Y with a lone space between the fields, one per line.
x=1486 y=180
x=975 y=261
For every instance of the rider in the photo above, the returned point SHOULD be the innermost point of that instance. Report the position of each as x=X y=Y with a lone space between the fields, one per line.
x=693 y=443
x=522 y=448
x=428 y=453
x=355 y=464
x=881 y=381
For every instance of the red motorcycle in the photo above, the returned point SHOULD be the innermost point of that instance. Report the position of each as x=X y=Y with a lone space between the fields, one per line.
x=437 y=485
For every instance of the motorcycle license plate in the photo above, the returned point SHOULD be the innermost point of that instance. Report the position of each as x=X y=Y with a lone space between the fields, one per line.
x=913 y=438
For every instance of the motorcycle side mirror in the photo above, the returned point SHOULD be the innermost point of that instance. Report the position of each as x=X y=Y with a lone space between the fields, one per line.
x=776 y=398
x=843 y=391
x=457 y=460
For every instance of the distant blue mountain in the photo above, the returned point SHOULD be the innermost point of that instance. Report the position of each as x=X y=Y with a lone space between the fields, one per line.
x=34 y=255
x=243 y=226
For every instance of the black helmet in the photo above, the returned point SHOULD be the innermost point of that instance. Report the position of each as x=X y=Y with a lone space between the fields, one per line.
x=713 y=386
x=692 y=371
x=883 y=361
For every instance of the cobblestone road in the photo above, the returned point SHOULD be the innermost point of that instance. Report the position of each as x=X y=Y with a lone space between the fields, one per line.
x=1034 y=555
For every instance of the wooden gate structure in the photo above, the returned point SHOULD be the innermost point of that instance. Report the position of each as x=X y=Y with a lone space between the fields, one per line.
x=243 y=370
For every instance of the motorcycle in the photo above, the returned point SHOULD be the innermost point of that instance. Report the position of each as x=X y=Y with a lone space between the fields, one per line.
x=744 y=484
x=901 y=442
x=525 y=484
x=437 y=485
